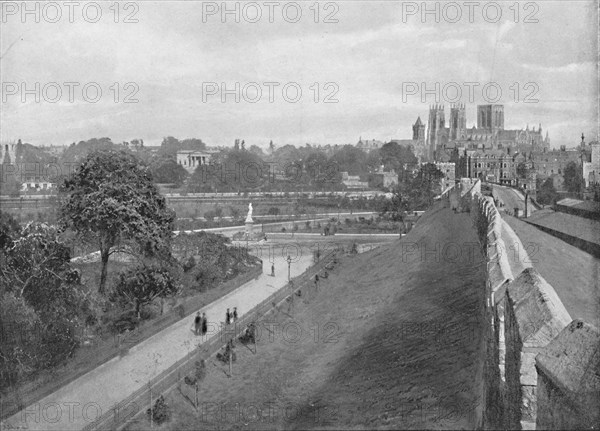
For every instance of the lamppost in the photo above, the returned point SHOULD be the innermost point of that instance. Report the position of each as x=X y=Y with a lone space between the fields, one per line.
x=289 y=261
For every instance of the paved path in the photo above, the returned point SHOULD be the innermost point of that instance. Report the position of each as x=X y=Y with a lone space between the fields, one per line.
x=573 y=273
x=512 y=199
x=80 y=402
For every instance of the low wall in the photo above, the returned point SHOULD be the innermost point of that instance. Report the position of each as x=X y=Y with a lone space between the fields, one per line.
x=587 y=246
x=541 y=368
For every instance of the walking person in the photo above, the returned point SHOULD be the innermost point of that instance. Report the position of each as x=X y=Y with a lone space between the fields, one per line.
x=204 y=324
x=273 y=270
x=235 y=314
x=227 y=317
x=197 y=323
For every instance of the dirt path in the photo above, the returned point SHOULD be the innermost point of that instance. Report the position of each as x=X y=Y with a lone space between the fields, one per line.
x=391 y=339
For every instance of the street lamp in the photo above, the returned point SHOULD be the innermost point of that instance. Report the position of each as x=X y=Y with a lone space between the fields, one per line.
x=289 y=261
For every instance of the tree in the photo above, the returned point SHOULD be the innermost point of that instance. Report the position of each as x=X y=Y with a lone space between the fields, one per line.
x=168 y=171
x=9 y=230
x=255 y=149
x=522 y=170
x=231 y=171
x=546 y=193
x=395 y=156
x=141 y=285
x=111 y=201
x=350 y=159
x=234 y=212
x=415 y=192
x=573 y=178
x=38 y=285
x=171 y=145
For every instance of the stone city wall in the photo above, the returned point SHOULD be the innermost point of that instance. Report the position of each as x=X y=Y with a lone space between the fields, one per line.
x=541 y=369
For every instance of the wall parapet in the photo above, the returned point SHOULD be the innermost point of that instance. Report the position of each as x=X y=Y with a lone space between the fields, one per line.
x=532 y=340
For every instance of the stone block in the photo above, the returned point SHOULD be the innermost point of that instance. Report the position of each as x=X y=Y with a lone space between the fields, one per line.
x=539 y=313
x=569 y=379
x=498 y=274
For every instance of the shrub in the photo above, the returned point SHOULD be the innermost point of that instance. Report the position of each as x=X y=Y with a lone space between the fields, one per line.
x=189 y=264
x=209 y=215
x=160 y=413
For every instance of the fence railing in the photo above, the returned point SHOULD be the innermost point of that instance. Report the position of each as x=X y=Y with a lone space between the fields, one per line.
x=136 y=403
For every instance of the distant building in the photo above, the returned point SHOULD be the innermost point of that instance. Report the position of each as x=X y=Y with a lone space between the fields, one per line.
x=37 y=184
x=548 y=163
x=380 y=178
x=367 y=145
x=418 y=141
x=591 y=169
x=498 y=166
x=8 y=153
x=449 y=171
x=489 y=133
x=353 y=181
x=190 y=160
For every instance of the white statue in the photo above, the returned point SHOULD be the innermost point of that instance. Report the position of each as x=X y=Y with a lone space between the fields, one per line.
x=249 y=216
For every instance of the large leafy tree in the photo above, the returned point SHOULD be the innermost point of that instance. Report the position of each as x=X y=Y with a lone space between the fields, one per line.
x=167 y=170
x=397 y=157
x=230 y=171
x=112 y=203
x=350 y=159
x=41 y=299
x=546 y=193
x=415 y=192
x=573 y=176
x=141 y=285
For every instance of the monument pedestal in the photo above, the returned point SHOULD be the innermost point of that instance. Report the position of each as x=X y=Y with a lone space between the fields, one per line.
x=249 y=228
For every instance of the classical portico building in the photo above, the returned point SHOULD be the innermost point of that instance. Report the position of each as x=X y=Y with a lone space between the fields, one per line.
x=190 y=160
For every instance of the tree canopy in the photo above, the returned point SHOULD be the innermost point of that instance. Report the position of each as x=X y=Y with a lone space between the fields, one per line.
x=573 y=176
x=111 y=201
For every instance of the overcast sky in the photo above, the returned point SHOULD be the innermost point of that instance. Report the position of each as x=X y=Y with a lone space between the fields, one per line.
x=369 y=57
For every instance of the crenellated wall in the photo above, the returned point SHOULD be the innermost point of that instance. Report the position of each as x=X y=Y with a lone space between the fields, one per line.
x=542 y=370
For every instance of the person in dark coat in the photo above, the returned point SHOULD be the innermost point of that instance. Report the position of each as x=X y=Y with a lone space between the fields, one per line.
x=227 y=317
x=272 y=270
x=204 y=324
x=235 y=315
x=197 y=323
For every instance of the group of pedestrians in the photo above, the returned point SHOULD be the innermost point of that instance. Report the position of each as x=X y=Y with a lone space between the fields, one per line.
x=231 y=316
x=200 y=324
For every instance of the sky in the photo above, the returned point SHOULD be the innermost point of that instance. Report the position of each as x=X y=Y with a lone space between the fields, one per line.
x=364 y=69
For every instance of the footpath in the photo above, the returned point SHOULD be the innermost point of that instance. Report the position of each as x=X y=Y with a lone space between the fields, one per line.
x=82 y=401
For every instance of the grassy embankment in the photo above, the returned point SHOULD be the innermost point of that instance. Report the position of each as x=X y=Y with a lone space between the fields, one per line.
x=385 y=342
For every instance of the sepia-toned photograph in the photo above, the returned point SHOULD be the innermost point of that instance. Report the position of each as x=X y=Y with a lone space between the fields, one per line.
x=299 y=215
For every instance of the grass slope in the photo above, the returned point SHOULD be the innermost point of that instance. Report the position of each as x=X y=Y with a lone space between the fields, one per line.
x=398 y=345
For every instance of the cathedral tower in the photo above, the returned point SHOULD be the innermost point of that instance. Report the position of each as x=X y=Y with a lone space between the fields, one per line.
x=419 y=131
x=458 y=122
x=435 y=125
x=490 y=117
